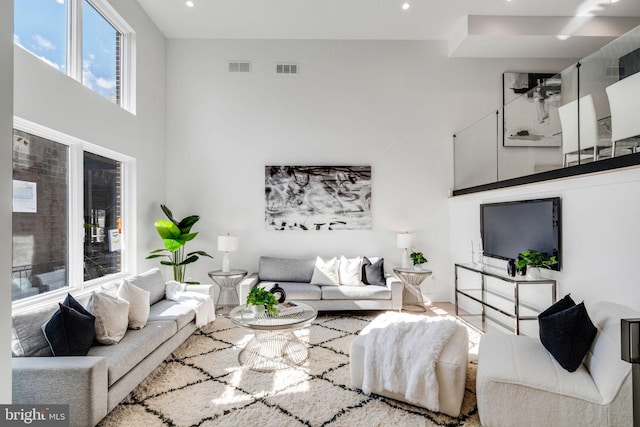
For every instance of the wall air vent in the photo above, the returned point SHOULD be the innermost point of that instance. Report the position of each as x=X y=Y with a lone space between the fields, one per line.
x=610 y=71
x=287 y=68
x=239 y=66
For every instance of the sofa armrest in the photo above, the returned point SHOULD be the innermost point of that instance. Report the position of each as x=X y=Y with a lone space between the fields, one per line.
x=80 y=382
x=396 y=287
x=245 y=286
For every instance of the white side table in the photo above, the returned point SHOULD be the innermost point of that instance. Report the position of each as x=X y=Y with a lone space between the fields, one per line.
x=412 y=280
x=227 y=282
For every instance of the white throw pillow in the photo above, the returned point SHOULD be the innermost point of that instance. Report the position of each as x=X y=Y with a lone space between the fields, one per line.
x=326 y=272
x=110 y=288
x=112 y=317
x=351 y=271
x=138 y=304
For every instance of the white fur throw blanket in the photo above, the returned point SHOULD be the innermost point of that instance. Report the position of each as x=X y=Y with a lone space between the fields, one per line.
x=401 y=351
x=200 y=303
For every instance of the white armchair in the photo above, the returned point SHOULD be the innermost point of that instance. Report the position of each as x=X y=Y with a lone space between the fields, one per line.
x=520 y=384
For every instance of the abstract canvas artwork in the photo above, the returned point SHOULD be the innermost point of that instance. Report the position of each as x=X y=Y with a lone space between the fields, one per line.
x=317 y=198
x=531 y=102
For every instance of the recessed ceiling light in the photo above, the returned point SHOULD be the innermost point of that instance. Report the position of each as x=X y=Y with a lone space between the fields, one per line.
x=613 y=1
x=406 y=5
x=189 y=3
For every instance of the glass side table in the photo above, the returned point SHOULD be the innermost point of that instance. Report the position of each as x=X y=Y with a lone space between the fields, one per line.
x=227 y=282
x=412 y=279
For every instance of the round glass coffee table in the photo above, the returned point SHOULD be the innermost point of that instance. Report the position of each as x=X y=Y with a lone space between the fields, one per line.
x=274 y=345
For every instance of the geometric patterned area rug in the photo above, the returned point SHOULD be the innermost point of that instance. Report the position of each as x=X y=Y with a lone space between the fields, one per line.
x=202 y=384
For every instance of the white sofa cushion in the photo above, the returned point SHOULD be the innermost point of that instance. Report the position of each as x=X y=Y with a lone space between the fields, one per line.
x=296 y=290
x=134 y=348
x=182 y=314
x=355 y=292
x=326 y=272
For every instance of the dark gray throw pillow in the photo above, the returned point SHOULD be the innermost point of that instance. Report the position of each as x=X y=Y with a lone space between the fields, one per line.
x=566 y=331
x=373 y=273
x=71 y=329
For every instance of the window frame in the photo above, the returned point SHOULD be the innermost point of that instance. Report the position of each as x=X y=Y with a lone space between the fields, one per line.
x=75 y=179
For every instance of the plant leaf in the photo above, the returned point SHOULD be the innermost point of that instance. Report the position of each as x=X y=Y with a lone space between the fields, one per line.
x=167 y=229
x=189 y=260
x=173 y=244
x=189 y=236
x=156 y=256
x=186 y=223
x=167 y=263
x=168 y=213
x=203 y=253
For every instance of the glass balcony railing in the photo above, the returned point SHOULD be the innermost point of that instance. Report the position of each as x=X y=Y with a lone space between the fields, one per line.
x=581 y=120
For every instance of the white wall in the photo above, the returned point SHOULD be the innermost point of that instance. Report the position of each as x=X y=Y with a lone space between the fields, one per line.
x=6 y=125
x=50 y=98
x=600 y=245
x=391 y=105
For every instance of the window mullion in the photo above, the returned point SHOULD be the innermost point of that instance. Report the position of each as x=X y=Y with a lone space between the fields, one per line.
x=76 y=217
x=74 y=29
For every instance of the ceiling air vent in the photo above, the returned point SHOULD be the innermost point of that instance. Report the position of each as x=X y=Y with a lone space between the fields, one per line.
x=287 y=68
x=239 y=66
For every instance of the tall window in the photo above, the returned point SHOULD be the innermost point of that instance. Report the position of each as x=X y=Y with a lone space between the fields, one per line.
x=85 y=39
x=72 y=213
x=40 y=215
x=102 y=216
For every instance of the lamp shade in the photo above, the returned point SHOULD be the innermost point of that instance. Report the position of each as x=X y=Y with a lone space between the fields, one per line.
x=406 y=240
x=228 y=243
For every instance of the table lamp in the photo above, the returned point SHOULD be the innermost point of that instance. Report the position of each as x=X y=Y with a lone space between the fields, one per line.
x=227 y=244
x=406 y=241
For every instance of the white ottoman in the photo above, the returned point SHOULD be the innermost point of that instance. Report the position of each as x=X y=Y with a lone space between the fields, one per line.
x=451 y=369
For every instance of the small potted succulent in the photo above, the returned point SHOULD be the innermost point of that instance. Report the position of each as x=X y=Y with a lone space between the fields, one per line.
x=533 y=260
x=418 y=259
x=261 y=300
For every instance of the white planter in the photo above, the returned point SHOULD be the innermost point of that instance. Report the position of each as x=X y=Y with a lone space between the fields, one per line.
x=533 y=273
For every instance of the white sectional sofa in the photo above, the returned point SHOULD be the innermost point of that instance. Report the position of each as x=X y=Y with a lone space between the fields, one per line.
x=294 y=276
x=520 y=384
x=93 y=385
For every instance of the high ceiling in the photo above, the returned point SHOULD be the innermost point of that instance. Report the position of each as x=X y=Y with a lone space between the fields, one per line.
x=495 y=33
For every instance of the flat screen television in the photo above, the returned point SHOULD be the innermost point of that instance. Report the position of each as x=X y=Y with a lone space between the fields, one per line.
x=509 y=228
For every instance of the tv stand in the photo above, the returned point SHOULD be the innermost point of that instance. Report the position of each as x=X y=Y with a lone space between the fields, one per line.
x=503 y=296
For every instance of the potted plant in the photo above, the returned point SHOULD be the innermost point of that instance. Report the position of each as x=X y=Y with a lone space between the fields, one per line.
x=534 y=260
x=418 y=259
x=175 y=235
x=262 y=300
